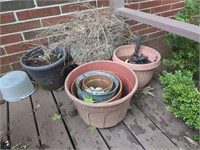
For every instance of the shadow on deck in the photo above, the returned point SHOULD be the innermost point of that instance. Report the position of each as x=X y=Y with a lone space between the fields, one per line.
x=148 y=125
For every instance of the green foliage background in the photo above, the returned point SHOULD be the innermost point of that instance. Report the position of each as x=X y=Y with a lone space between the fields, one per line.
x=181 y=86
x=181 y=92
x=185 y=52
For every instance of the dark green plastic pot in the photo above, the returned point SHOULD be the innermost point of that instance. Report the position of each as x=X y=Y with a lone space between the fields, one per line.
x=50 y=76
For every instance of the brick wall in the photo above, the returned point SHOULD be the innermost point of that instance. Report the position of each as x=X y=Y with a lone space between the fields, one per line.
x=21 y=20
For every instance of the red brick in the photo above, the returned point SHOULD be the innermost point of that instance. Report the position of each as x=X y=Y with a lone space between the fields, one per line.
x=103 y=3
x=53 y=2
x=16 y=48
x=20 y=27
x=2 y=51
x=55 y=20
x=160 y=9
x=129 y=1
x=149 y=42
x=10 y=39
x=170 y=13
x=31 y=34
x=77 y=7
x=146 y=31
x=157 y=43
x=10 y=58
x=16 y=66
x=157 y=34
x=146 y=10
x=20 y=47
x=178 y=5
x=140 y=26
x=133 y=6
x=7 y=18
x=5 y=68
x=150 y=4
x=143 y=38
x=13 y=5
x=38 y=13
x=131 y=22
x=169 y=1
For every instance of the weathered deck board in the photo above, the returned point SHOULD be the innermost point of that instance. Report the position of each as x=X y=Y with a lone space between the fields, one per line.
x=119 y=137
x=3 y=122
x=147 y=126
x=53 y=134
x=83 y=139
x=158 y=91
x=146 y=132
x=174 y=128
x=22 y=125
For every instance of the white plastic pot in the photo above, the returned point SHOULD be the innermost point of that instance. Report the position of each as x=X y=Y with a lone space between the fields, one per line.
x=15 y=86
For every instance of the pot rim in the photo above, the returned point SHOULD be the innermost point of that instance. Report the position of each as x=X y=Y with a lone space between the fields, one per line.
x=116 y=82
x=42 y=68
x=114 y=103
x=139 y=67
x=108 y=80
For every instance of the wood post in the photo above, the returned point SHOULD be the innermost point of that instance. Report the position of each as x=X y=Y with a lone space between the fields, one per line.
x=115 y=4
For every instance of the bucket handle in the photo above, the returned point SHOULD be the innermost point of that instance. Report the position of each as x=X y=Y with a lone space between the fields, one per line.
x=35 y=87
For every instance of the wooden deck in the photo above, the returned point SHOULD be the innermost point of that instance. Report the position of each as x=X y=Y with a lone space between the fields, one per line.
x=29 y=124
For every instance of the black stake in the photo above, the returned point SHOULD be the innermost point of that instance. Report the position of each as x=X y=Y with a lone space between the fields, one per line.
x=134 y=58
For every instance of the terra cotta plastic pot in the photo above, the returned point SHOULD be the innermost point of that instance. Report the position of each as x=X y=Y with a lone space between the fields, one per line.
x=144 y=72
x=103 y=115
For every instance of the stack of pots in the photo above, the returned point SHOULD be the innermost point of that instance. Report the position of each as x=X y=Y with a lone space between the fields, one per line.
x=103 y=114
x=98 y=86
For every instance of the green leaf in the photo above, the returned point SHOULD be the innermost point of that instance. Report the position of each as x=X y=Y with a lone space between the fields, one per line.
x=89 y=100
x=21 y=146
x=196 y=137
x=55 y=116
x=91 y=128
x=38 y=106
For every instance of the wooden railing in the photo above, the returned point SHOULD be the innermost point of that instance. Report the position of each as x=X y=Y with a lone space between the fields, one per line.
x=180 y=28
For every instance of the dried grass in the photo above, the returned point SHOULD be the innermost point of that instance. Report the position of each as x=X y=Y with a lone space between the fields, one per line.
x=90 y=36
x=47 y=56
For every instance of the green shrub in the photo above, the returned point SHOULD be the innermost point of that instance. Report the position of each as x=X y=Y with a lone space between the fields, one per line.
x=180 y=91
x=185 y=51
x=190 y=12
x=180 y=87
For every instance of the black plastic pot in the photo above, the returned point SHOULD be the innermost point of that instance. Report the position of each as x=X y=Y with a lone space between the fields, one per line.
x=50 y=76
